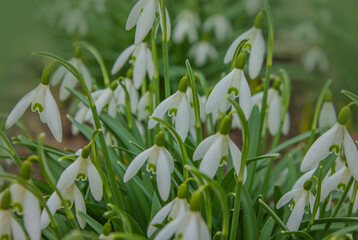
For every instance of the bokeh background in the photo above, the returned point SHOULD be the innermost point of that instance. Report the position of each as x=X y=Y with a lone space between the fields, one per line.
x=315 y=40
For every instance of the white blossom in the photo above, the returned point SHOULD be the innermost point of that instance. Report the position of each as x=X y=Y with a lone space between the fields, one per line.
x=201 y=52
x=143 y=106
x=328 y=115
x=187 y=24
x=9 y=227
x=220 y=25
x=314 y=58
x=132 y=92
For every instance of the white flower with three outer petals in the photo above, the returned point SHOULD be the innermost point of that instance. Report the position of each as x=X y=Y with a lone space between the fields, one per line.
x=201 y=52
x=9 y=227
x=328 y=115
x=174 y=209
x=143 y=106
x=143 y=62
x=336 y=139
x=42 y=101
x=314 y=58
x=186 y=227
x=220 y=24
x=132 y=92
x=26 y=204
x=80 y=116
x=177 y=105
x=257 y=47
x=68 y=80
x=302 y=198
x=142 y=15
x=234 y=85
x=80 y=169
x=70 y=194
x=159 y=162
x=187 y=26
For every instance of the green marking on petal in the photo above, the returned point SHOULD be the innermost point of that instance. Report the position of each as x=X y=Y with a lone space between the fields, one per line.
x=292 y=204
x=180 y=235
x=81 y=176
x=233 y=90
x=151 y=168
x=37 y=106
x=341 y=186
x=335 y=148
x=223 y=160
x=173 y=111
x=5 y=237
x=67 y=202
x=17 y=207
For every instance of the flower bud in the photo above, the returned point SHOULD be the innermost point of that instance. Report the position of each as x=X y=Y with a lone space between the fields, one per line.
x=107 y=229
x=160 y=139
x=308 y=184
x=344 y=115
x=240 y=61
x=130 y=72
x=25 y=170
x=78 y=52
x=183 y=84
x=225 y=125
x=114 y=85
x=195 y=201
x=182 y=191
x=46 y=74
x=85 y=152
x=328 y=96
x=259 y=20
x=5 y=200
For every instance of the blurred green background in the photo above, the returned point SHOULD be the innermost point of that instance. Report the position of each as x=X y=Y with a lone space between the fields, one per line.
x=320 y=32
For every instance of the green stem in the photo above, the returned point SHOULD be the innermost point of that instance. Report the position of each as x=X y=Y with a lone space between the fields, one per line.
x=317 y=201
x=14 y=154
x=165 y=50
x=128 y=106
x=155 y=63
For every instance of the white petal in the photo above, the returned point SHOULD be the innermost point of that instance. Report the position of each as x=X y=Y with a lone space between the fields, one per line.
x=204 y=231
x=182 y=119
x=169 y=159
x=79 y=205
x=210 y=163
x=245 y=96
x=286 y=124
x=161 y=109
x=17 y=232
x=52 y=116
x=53 y=204
x=163 y=176
x=351 y=152
x=149 y=62
x=168 y=230
x=192 y=227
x=32 y=215
x=301 y=181
x=236 y=156
x=20 y=108
x=122 y=58
x=58 y=75
x=86 y=75
x=231 y=50
x=319 y=149
x=145 y=21
x=69 y=81
x=257 y=54
x=134 y=14
x=203 y=147
x=274 y=114
x=294 y=221
x=95 y=181
x=101 y=102
x=136 y=164
x=159 y=217
x=328 y=115
x=69 y=175
x=139 y=68
x=287 y=197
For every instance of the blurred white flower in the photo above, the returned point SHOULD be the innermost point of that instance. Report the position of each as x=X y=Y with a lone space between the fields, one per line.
x=201 y=52
x=142 y=15
x=252 y=6
x=220 y=25
x=187 y=26
x=328 y=115
x=71 y=195
x=143 y=106
x=74 y=22
x=314 y=58
x=160 y=162
x=142 y=63
x=80 y=116
x=80 y=169
x=132 y=92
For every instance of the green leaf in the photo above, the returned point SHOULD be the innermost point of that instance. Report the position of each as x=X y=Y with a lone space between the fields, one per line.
x=96 y=226
x=249 y=216
x=351 y=95
x=298 y=233
x=267 y=229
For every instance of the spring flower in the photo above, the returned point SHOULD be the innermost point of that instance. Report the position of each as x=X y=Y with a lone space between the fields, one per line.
x=68 y=80
x=80 y=169
x=314 y=58
x=80 y=116
x=71 y=195
x=159 y=162
x=337 y=140
x=143 y=106
x=257 y=47
x=188 y=226
x=142 y=15
x=219 y=24
x=142 y=63
x=174 y=209
x=328 y=115
x=234 y=85
x=201 y=52
x=176 y=105
x=9 y=227
x=302 y=197
x=187 y=26
x=132 y=92
x=337 y=180
x=42 y=101
x=74 y=22
x=214 y=151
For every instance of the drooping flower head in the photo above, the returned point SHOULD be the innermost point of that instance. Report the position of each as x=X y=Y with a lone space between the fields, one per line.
x=328 y=115
x=201 y=52
x=187 y=24
x=219 y=24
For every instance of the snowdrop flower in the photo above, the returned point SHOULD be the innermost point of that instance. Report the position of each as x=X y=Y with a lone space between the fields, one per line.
x=174 y=209
x=74 y=21
x=80 y=116
x=159 y=162
x=201 y=52
x=337 y=140
x=143 y=62
x=9 y=227
x=25 y=203
x=252 y=6
x=42 y=101
x=234 y=85
x=132 y=92
x=68 y=80
x=142 y=15
x=302 y=197
x=188 y=226
x=71 y=195
x=328 y=115
x=334 y=182
x=314 y=58
x=257 y=46
x=214 y=151
x=177 y=105
x=143 y=106
x=80 y=169
x=220 y=24
x=187 y=26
